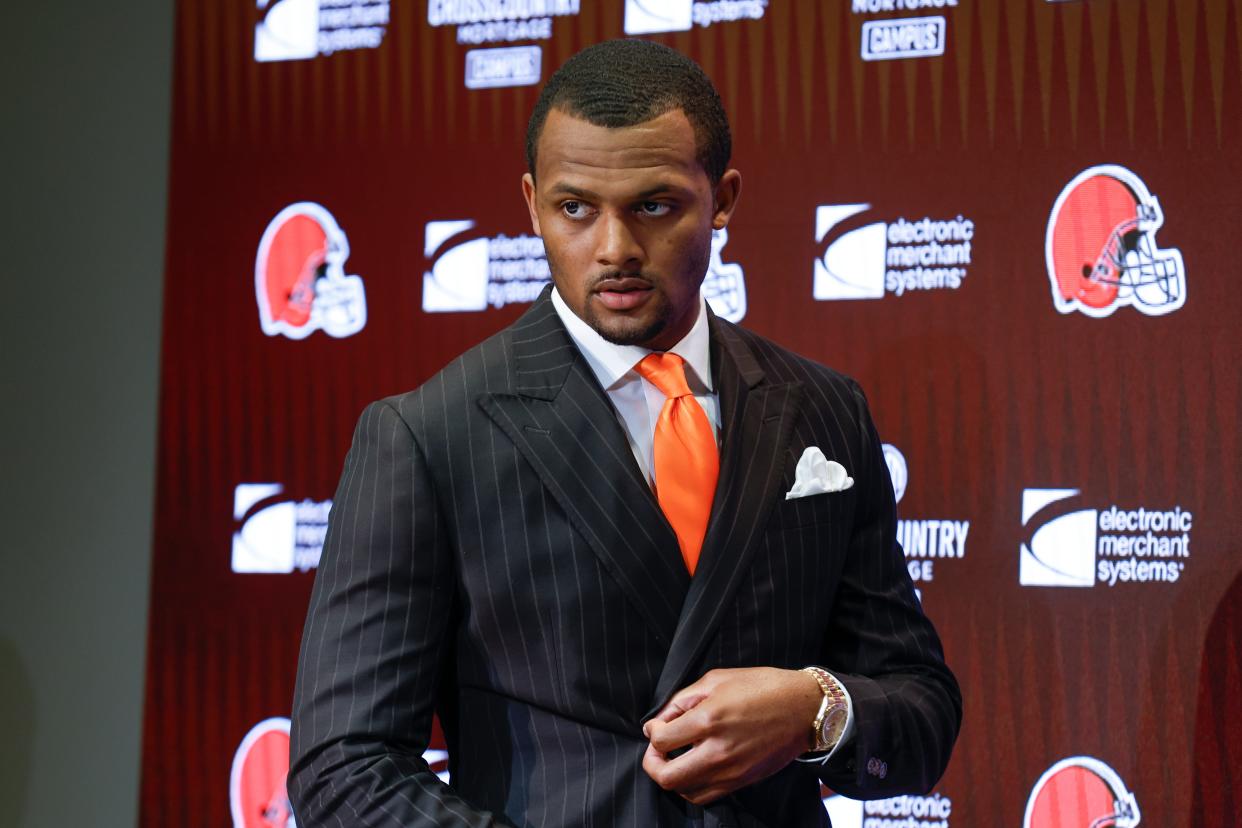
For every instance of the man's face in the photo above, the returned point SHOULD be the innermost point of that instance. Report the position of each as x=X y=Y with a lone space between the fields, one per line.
x=626 y=217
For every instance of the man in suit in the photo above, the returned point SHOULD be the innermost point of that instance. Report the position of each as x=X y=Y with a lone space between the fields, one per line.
x=582 y=545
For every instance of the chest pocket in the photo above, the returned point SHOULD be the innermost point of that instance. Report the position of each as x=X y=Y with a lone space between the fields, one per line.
x=812 y=510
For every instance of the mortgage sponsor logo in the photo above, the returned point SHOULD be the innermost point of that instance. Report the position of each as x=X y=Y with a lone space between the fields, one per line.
x=504 y=66
x=925 y=541
x=499 y=21
x=910 y=37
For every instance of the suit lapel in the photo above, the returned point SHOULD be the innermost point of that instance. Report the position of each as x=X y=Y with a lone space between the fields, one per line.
x=563 y=424
x=757 y=419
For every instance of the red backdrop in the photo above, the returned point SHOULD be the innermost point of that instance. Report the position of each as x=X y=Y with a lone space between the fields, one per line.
x=992 y=396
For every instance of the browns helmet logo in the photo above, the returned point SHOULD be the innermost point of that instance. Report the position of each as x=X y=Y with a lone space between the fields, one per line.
x=257 y=795
x=1081 y=792
x=1101 y=247
x=299 y=276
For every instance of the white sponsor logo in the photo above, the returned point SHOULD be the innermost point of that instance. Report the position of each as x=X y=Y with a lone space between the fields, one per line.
x=1078 y=547
x=1081 y=790
x=302 y=29
x=897 y=257
x=471 y=272
x=897 y=812
x=844 y=812
x=276 y=536
x=724 y=286
x=897 y=470
x=924 y=541
x=652 y=16
x=910 y=37
x=1061 y=551
x=511 y=66
x=876 y=6
x=499 y=21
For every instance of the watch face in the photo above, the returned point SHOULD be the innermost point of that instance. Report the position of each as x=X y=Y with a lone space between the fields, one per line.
x=834 y=724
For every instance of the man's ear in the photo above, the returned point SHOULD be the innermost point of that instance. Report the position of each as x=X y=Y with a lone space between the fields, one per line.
x=528 y=192
x=728 y=190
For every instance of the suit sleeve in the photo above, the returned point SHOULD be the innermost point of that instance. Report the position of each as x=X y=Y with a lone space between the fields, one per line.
x=374 y=645
x=907 y=704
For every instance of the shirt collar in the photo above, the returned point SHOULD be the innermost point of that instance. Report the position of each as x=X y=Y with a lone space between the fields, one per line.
x=611 y=362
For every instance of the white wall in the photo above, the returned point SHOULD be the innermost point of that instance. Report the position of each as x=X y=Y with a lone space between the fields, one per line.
x=84 y=143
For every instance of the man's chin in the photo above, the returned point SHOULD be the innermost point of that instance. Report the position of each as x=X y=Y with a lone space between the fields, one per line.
x=623 y=331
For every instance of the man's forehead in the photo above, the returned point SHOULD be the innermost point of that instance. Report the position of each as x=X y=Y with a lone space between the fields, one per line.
x=665 y=143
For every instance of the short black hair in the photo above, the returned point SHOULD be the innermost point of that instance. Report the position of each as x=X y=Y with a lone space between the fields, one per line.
x=621 y=83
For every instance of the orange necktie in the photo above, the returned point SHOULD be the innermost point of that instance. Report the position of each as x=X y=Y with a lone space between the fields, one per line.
x=686 y=461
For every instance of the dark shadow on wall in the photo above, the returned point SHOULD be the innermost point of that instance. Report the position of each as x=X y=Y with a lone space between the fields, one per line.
x=1217 y=748
x=17 y=717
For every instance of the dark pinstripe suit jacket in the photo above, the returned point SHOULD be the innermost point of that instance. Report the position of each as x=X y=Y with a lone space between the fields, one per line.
x=495 y=554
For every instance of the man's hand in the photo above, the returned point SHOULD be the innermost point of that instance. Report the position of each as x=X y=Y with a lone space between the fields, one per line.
x=739 y=726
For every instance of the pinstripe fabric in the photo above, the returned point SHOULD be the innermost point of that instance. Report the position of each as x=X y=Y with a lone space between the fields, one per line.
x=495 y=555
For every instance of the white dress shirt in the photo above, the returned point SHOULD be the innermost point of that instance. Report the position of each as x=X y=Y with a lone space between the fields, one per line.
x=637 y=401
x=638 y=404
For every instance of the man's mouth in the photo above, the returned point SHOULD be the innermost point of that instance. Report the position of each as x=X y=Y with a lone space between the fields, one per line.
x=624 y=293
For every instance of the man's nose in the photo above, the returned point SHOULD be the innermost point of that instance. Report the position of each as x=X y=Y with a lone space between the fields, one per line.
x=617 y=245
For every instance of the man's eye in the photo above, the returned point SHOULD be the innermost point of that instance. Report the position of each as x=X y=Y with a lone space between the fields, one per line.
x=654 y=208
x=574 y=209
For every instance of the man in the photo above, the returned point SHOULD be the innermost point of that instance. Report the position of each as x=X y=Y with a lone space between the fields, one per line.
x=582 y=545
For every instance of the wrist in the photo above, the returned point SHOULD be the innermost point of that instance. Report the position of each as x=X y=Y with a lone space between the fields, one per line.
x=831 y=717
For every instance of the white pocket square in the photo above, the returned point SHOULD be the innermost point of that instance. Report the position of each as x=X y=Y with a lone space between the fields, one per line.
x=816 y=474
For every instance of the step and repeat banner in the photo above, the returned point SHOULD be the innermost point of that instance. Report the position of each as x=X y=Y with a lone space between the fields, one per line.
x=1015 y=222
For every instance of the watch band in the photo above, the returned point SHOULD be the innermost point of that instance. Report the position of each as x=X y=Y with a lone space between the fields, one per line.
x=829 y=722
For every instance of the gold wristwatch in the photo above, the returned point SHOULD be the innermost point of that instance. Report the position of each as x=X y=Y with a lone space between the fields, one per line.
x=833 y=713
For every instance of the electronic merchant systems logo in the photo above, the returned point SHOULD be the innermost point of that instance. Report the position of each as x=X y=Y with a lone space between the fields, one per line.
x=1101 y=249
x=303 y=29
x=654 y=16
x=863 y=258
x=897 y=812
x=1081 y=791
x=276 y=535
x=470 y=271
x=925 y=541
x=257 y=794
x=1067 y=544
x=299 y=276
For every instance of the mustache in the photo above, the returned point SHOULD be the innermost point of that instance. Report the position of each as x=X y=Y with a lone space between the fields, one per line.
x=622 y=275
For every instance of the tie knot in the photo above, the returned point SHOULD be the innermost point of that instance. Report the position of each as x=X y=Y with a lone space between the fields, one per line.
x=665 y=371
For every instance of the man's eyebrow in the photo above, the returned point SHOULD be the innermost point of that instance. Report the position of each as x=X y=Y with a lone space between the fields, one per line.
x=568 y=189
x=563 y=188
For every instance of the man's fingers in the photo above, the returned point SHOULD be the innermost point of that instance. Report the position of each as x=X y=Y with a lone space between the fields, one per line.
x=683 y=731
x=677 y=706
x=697 y=772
